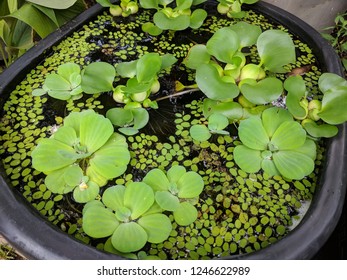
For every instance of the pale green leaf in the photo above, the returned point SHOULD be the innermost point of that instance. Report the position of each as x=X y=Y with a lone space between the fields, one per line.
x=197 y=55
x=247 y=159
x=185 y=214
x=99 y=222
x=157 y=226
x=319 y=130
x=200 y=132
x=296 y=89
x=247 y=33
x=129 y=237
x=54 y=4
x=217 y=122
x=157 y=180
x=197 y=18
x=232 y=110
x=67 y=135
x=273 y=117
x=138 y=197
x=269 y=167
x=253 y=134
x=113 y=197
x=165 y=23
x=120 y=116
x=289 y=135
x=175 y=173
x=73 y=175
x=166 y=200
x=87 y=193
x=127 y=69
x=147 y=67
x=98 y=77
x=190 y=185
x=55 y=182
x=151 y=29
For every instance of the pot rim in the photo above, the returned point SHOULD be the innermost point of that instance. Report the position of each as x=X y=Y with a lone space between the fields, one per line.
x=19 y=221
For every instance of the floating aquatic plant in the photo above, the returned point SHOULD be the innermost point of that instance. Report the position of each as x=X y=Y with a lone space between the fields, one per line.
x=124 y=9
x=130 y=217
x=275 y=143
x=233 y=8
x=81 y=155
x=178 y=18
x=176 y=191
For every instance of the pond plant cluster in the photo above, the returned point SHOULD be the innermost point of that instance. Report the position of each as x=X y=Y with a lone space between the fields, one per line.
x=161 y=130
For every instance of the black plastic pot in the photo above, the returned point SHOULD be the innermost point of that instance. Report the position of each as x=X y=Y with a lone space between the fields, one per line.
x=36 y=238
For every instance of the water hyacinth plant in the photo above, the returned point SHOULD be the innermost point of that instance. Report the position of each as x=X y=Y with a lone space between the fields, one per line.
x=81 y=156
x=232 y=8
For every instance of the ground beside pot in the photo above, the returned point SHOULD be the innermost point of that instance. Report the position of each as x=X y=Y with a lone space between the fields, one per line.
x=182 y=117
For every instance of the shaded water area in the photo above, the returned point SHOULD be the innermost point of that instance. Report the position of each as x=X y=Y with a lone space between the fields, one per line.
x=238 y=212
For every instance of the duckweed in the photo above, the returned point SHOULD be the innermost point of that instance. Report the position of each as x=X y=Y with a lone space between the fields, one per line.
x=237 y=213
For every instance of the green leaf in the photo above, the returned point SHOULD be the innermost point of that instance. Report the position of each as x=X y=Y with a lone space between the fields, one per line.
x=293 y=165
x=197 y=18
x=38 y=92
x=328 y=81
x=273 y=117
x=223 y=44
x=249 y=1
x=22 y=37
x=98 y=77
x=247 y=33
x=49 y=13
x=83 y=195
x=157 y=226
x=120 y=116
x=296 y=89
x=129 y=237
x=190 y=185
x=5 y=32
x=183 y=4
x=217 y=122
x=289 y=135
x=113 y=197
x=165 y=23
x=99 y=222
x=46 y=156
x=264 y=91
x=149 y=4
x=141 y=117
x=185 y=214
x=54 y=4
x=253 y=134
x=157 y=180
x=95 y=130
x=334 y=106
x=167 y=60
x=175 y=173
x=167 y=201
x=232 y=110
x=66 y=70
x=269 y=167
x=147 y=67
x=138 y=197
x=213 y=86
x=199 y=132
x=73 y=175
x=197 y=55
x=309 y=149
x=318 y=131
x=55 y=182
x=151 y=29
x=66 y=135
x=127 y=69
x=35 y=18
x=247 y=159
x=276 y=49
x=57 y=83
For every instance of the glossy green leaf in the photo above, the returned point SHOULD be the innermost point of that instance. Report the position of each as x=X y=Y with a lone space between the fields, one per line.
x=95 y=130
x=273 y=117
x=149 y=4
x=200 y=132
x=232 y=110
x=49 y=13
x=185 y=214
x=276 y=49
x=264 y=91
x=247 y=33
x=252 y=134
x=190 y=185
x=223 y=44
x=134 y=87
x=334 y=106
x=147 y=67
x=328 y=81
x=99 y=222
x=56 y=82
x=247 y=159
x=293 y=165
x=127 y=69
x=197 y=55
x=167 y=201
x=289 y=135
x=151 y=29
x=128 y=130
x=157 y=180
x=54 y=4
x=157 y=226
x=87 y=193
x=217 y=122
x=296 y=89
x=113 y=197
x=138 y=197
x=98 y=77
x=165 y=23
x=120 y=116
x=29 y=14
x=213 y=86
x=129 y=237
x=197 y=18
x=141 y=117
x=319 y=130
x=183 y=4
x=167 y=60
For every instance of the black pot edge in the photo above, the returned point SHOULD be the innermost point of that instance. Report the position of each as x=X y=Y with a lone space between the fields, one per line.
x=39 y=247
